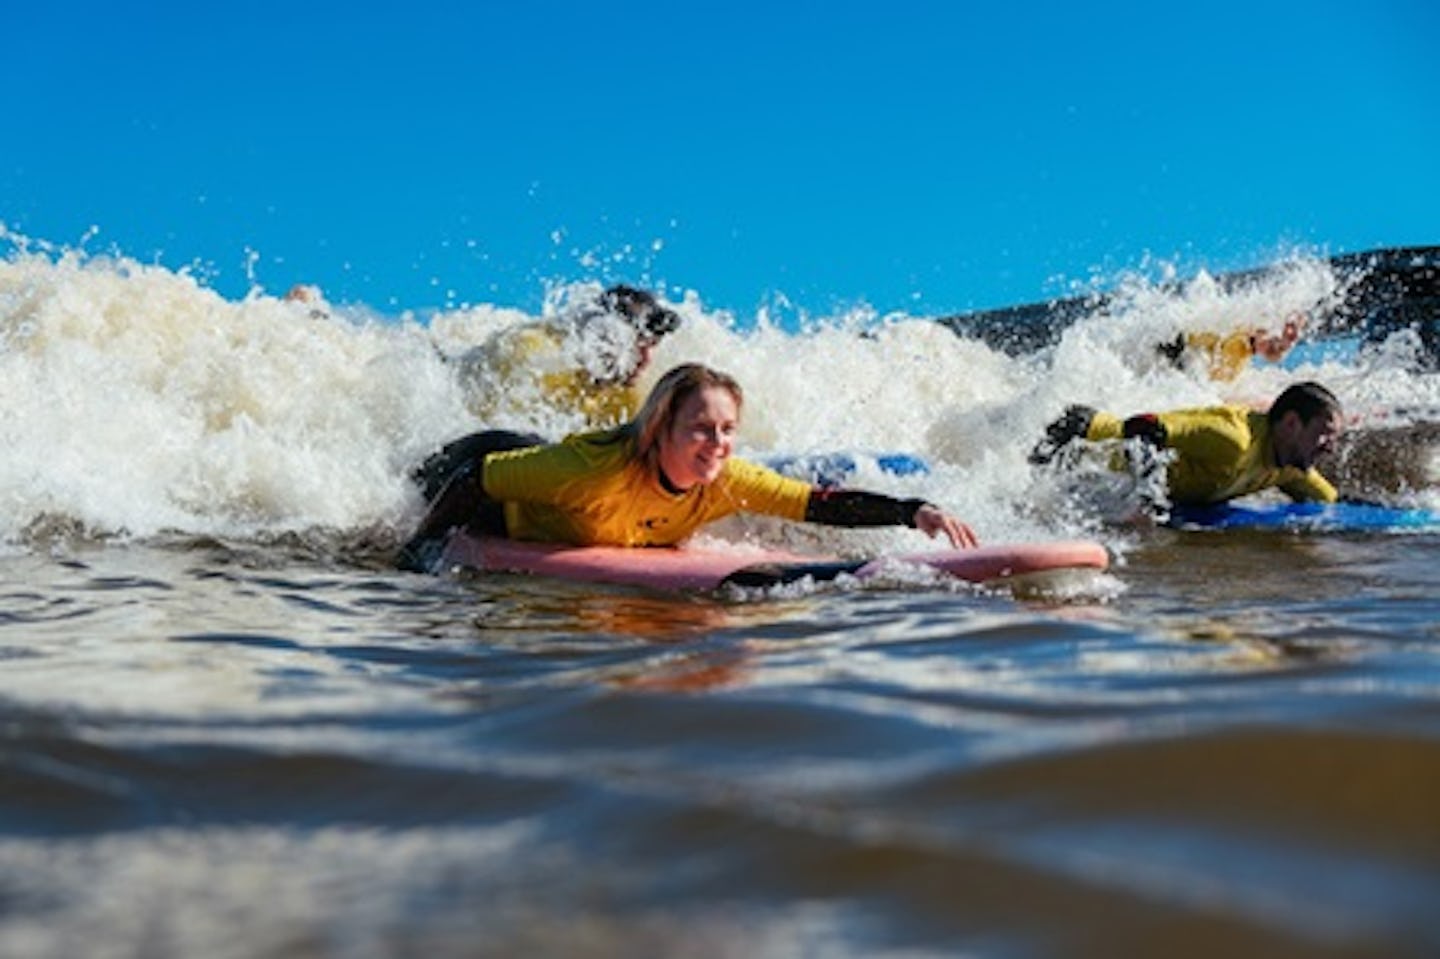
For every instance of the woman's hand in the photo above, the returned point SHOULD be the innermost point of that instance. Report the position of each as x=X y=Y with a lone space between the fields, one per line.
x=931 y=519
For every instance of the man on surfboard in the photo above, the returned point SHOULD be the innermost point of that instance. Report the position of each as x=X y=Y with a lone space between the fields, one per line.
x=1222 y=452
x=586 y=360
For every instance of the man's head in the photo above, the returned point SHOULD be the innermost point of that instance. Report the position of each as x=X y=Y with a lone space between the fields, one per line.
x=652 y=321
x=618 y=352
x=1305 y=421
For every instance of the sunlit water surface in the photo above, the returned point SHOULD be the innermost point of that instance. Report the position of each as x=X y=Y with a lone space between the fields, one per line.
x=1229 y=745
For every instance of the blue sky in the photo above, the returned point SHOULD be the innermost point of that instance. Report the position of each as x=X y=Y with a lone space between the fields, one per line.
x=927 y=157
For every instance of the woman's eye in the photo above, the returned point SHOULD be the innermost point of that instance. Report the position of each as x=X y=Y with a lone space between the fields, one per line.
x=721 y=431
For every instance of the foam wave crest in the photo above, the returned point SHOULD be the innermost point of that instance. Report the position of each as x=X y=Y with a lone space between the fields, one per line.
x=135 y=401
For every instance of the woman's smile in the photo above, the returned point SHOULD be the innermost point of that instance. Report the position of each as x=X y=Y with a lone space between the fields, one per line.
x=694 y=450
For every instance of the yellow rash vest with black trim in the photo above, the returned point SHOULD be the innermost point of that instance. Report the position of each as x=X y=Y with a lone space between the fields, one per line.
x=1226 y=356
x=1222 y=452
x=590 y=490
x=539 y=359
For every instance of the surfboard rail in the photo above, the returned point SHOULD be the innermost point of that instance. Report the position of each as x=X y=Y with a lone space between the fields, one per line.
x=1316 y=517
x=707 y=569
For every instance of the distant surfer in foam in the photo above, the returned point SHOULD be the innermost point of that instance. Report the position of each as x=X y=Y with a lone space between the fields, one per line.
x=653 y=481
x=587 y=360
x=1222 y=452
x=1225 y=356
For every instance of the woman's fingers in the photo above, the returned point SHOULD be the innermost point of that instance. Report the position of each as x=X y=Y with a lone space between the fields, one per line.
x=932 y=520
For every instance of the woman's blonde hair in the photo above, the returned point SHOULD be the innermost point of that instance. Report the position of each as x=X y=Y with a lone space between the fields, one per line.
x=663 y=404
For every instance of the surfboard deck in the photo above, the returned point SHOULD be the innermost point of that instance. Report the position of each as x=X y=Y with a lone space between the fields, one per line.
x=1304 y=516
x=708 y=569
x=837 y=468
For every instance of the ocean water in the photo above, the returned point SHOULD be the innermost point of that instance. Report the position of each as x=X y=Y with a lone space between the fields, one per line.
x=229 y=728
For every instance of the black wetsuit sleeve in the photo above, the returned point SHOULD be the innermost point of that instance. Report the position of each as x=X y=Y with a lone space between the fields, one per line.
x=842 y=507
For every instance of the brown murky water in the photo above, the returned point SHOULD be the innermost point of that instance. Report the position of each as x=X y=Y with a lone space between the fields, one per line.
x=1230 y=745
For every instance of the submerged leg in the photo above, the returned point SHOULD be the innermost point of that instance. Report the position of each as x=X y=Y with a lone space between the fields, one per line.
x=432 y=475
x=452 y=480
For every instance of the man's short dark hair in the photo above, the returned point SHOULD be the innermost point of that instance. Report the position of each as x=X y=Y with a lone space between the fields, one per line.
x=641 y=310
x=1307 y=399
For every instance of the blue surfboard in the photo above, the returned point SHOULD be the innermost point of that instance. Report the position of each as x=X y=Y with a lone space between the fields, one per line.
x=834 y=469
x=1304 y=516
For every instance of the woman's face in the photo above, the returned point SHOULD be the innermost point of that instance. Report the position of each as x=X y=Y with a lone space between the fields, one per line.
x=701 y=437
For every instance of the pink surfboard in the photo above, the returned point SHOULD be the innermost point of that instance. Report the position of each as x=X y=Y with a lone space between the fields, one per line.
x=711 y=568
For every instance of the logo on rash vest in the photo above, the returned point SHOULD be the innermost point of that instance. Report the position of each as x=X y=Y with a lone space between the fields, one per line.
x=648 y=526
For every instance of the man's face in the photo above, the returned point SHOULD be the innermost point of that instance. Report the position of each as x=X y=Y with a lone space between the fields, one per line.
x=1300 y=444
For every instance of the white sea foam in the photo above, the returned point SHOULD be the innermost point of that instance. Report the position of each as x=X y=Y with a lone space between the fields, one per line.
x=135 y=400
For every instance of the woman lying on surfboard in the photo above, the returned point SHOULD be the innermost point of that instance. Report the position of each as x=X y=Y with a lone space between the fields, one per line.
x=651 y=482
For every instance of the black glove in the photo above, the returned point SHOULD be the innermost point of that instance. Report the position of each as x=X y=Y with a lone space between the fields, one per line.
x=1061 y=433
x=1147 y=426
